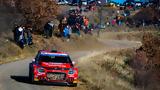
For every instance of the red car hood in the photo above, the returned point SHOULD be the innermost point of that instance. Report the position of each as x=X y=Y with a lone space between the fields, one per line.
x=55 y=65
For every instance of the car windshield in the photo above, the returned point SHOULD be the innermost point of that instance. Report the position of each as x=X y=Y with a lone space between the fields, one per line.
x=55 y=59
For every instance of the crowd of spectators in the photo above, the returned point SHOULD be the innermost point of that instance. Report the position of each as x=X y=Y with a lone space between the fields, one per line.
x=22 y=35
x=74 y=23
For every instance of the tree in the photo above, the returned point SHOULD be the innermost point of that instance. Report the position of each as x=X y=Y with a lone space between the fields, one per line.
x=37 y=12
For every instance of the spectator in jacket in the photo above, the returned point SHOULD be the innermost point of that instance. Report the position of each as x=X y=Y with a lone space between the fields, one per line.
x=21 y=39
x=86 y=24
x=67 y=32
x=77 y=29
x=28 y=33
x=48 y=29
x=51 y=29
x=16 y=33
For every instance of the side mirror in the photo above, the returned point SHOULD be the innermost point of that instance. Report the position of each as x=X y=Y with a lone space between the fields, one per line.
x=73 y=62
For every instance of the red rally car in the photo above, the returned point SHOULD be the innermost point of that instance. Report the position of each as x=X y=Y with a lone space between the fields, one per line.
x=53 y=66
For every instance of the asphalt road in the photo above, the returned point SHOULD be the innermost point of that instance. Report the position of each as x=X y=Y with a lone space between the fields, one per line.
x=14 y=76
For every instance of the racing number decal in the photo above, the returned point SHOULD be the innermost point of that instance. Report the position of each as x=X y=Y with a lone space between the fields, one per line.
x=55 y=76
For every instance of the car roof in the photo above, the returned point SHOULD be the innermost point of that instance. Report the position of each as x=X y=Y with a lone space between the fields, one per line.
x=52 y=53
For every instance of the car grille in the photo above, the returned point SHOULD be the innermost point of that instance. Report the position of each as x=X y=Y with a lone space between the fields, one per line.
x=56 y=76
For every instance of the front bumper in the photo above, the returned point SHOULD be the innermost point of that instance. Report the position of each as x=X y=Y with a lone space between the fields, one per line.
x=67 y=78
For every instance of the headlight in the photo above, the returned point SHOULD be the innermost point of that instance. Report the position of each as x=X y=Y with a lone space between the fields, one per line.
x=41 y=69
x=71 y=71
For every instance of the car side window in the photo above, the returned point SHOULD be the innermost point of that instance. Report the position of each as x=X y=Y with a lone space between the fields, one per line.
x=37 y=57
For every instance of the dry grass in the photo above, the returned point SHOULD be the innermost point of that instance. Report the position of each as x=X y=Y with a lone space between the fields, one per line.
x=122 y=35
x=107 y=71
x=132 y=35
x=11 y=52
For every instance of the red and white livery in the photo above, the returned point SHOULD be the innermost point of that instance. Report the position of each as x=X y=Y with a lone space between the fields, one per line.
x=53 y=66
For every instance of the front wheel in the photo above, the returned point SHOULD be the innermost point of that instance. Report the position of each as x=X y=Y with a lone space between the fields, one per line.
x=31 y=75
x=73 y=85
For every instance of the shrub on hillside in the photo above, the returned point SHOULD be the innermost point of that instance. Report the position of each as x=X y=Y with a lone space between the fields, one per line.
x=147 y=62
x=151 y=46
x=36 y=12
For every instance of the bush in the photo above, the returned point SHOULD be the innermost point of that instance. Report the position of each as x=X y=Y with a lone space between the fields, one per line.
x=107 y=71
x=151 y=46
x=147 y=62
x=35 y=12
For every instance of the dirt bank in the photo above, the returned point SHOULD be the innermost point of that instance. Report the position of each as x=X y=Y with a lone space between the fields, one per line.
x=84 y=43
x=107 y=71
x=76 y=43
x=122 y=35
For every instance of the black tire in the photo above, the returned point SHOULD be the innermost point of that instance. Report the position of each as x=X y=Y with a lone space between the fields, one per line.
x=31 y=75
x=73 y=85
